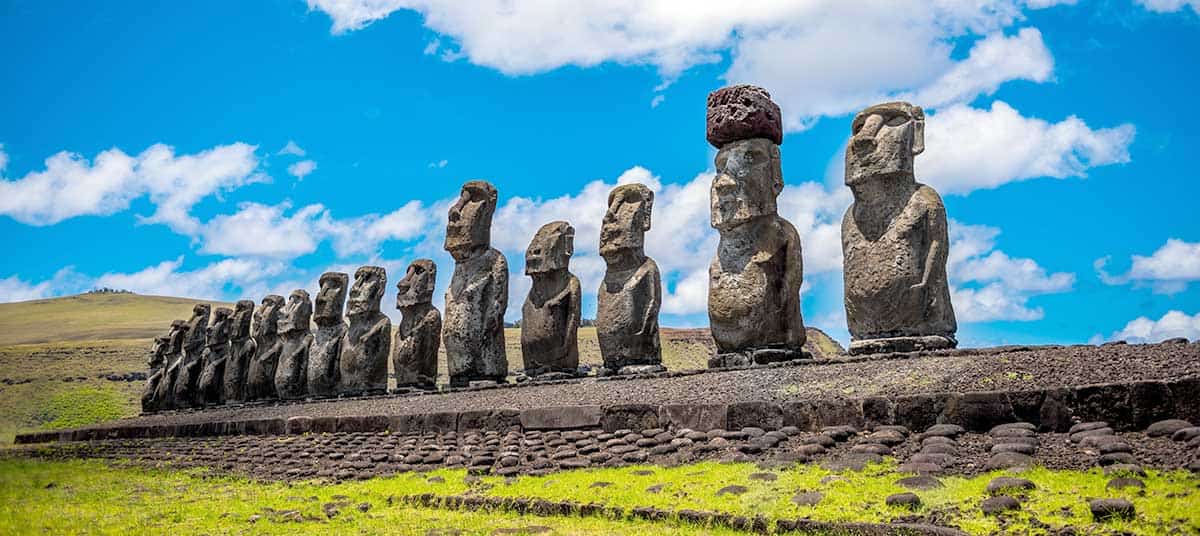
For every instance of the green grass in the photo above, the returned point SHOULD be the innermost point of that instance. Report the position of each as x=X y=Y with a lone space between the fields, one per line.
x=88 y=317
x=83 y=406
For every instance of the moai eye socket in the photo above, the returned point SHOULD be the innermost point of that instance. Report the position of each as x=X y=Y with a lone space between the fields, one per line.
x=897 y=120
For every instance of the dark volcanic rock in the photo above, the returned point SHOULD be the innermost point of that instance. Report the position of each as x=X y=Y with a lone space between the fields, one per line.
x=997 y=505
x=1105 y=509
x=742 y=112
x=907 y=499
x=1005 y=484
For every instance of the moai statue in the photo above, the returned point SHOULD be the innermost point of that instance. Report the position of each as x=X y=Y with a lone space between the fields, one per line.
x=550 y=315
x=894 y=239
x=367 y=343
x=260 y=376
x=473 y=332
x=754 y=281
x=291 y=381
x=631 y=294
x=241 y=351
x=210 y=387
x=158 y=368
x=188 y=377
x=164 y=397
x=415 y=347
x=323 y=368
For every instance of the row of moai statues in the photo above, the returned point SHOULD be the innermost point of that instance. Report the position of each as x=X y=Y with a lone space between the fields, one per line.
x=894 y=242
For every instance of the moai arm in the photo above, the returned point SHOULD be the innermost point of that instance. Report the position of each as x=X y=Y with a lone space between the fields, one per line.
x=496 y=307
x=794 y=279
x=574 y=293
x=934 y=214
x=651 y=287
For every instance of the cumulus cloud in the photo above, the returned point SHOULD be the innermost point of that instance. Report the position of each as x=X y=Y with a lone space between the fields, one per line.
x=71 y=186
x=969 y=149
x=1171 y=325
x=3 y=159
x=216 y=281
x=987 y=284
x=1168 y=270
x=302 y=169
x=292 y=149
x=1170 y=6
x=439 y=163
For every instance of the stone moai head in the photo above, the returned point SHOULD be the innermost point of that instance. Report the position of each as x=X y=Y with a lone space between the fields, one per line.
x=627 y=220
x=162 y=345
x=551 y=249
x=331 y=299
x=886 y=139
x=417 y=286
x=365 y=295
x=177 y=334
x=296 y=315
x=266 y=316
x=746 y=128
x=243 y=314
x=469 y=225
x=197 y=326
x=219 y=327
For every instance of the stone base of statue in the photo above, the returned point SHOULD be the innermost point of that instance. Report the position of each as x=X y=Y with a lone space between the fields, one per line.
x=758 y=356
x=409 y=389
x=902 y=344
x=631 y=370
x=465 y=380
x=364 y=392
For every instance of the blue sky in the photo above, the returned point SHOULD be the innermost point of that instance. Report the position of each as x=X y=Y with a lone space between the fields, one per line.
x=230 y=149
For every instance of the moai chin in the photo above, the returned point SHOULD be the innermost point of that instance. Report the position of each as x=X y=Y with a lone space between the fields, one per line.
x=241 y=351
x=415 y=347
x=260 y=376
x=210 y=387
x=323 y=368
x=164 y=396
x=550 y=315
x=894 y=239
x=157 y=362
x=631 y=294
x=291 y=373
x=367 y=342
x=188 y=378
x=754 y=280
x=473 y=330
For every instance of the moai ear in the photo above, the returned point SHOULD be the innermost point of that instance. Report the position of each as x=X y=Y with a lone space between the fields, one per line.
x=647 y=209
x=569 y=236
x=918 y=145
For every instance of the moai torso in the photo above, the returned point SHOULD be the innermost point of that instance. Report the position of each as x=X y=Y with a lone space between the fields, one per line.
x=550 y=314
x=473 y=328
x=164 y=396
x=188 y=376
x=158 y=368
x=291 y=373
x=419 y=335
x=241 y=351
x=260 y=376
x=367 y=343
x=323 y=367
x=631 y=294
x=216 y=352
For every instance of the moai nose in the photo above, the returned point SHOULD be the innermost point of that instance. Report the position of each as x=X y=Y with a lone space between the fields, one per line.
x=724 y=183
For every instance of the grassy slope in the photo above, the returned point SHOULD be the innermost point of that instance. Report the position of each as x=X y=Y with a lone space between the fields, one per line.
x=88 y=496
x=91 y=317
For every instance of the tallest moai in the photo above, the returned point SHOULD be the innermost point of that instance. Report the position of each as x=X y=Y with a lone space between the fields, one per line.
x=754 y=281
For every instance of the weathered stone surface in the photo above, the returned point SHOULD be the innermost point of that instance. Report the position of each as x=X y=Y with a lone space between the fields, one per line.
x=158 y=369
x=324 y=365
x=894 y=239
x=188 y=376
x=210 y=385
x=1008 y=484
x=1167 y=427
x=367 y=343
x=997 y=505
x=550 y=314
x=473 y=328
x=164 y=395
x=241 y=351
x=291 y=374
x=765 y=415
x=561 y=417
x=906 y=500
x=419 y=335
x=693 y=416
x=978 y=411
x=630 y=417
x=631 y=294
x=742 y=112
x=1106 y=509
x=260 y=377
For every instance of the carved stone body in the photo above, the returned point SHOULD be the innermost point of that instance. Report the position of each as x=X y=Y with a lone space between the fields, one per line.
x=164 y=396
x=188 y=377
x=260 y=377
x=157 y=362
x=415 y=348
x=216 y=353
x=755 y=278
x=366 y=345
x=894 y=239
x=241 y=351
x=631 y=294
x=323 y=367
x=550 y=314
x=291 y=373
x=473 y=330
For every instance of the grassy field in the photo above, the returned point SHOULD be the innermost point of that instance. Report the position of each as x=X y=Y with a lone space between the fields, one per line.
x=89 y=317
x=38 y=497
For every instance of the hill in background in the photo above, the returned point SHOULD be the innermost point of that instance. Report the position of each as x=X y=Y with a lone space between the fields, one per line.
x=92 y=316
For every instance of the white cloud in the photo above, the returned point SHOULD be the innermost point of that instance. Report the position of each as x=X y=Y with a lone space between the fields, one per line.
x=987 y=284
x=216 y=281
x=72 y=186
x=969 y=149
x=3 y=159
x=991 y=62
x=439 y=163
x=1171 y=325
x=302 y=169
x=1168 y=270
x=1170 y=6
x=292 y=149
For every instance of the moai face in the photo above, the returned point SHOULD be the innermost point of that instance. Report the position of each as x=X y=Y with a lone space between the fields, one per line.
x=219 y=326
x=266 y=316
x=551 y=248
x=177 y=335
x=197 y=326
x=749 y=178
x=365 y=295
x=627 y=220
x=296 y=315
x=331 y=299
x=243 y=313
x=162 y=345
x=886 y=139
x=417 y=285
x=469 y=224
